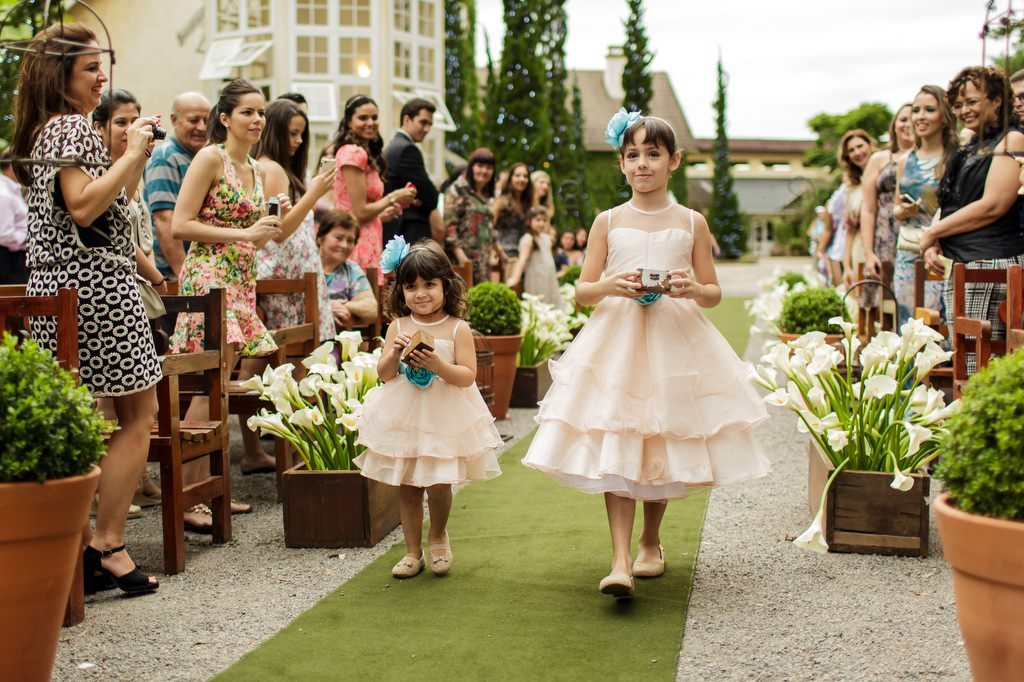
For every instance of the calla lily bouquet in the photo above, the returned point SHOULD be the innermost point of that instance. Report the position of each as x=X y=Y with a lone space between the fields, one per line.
x=886 y=421
x=766 y=307
x=318 y=414
x=546 y=330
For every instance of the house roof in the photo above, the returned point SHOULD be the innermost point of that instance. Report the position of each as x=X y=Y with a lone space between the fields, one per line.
x=598 y=108
x=757 y=196
x=750 y=145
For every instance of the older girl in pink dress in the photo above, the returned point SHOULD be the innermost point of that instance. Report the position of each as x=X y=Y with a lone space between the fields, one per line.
x=358 y=187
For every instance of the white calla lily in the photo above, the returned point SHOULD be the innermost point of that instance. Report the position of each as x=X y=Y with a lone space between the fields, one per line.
x=813 y=539
x=254 y=384
x=901 y=481
x=879 y=385
x=918 y=435
x=322 y=355
x=349 y=420
x=838 y=439
x=847 y=327
x=778 y=398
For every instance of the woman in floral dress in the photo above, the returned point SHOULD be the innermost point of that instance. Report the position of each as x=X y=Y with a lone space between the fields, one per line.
x=468 y=217
x=221 y=210
x=358 y=187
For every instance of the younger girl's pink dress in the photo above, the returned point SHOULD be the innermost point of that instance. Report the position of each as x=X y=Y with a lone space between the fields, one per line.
x=368 y=248
x=427 y=436
x=649 y=399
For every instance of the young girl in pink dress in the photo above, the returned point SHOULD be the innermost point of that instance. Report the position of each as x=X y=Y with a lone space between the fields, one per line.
x=649 y=399
x=427 y=427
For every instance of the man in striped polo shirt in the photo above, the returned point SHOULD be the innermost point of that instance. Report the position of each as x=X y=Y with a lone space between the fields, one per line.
x=165 y=171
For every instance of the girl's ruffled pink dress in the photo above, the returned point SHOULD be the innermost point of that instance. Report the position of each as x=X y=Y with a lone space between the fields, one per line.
x=427 y=436
x=648 y=400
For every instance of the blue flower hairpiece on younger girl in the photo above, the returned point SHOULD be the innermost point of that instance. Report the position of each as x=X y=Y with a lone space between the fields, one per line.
x=392 y=255
x=617 y=127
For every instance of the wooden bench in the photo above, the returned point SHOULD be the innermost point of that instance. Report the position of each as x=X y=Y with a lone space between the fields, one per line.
x=15 y=309
x=176 y=441
x=970 y=334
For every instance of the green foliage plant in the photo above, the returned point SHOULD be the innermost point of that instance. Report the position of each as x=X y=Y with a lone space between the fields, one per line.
x=49 y=425
x=724 y=218
x=810 y=310
x=636 y=74
x=873 y=117
x=494 y=310
x=982 y=455
x=461 y=86
x=571 y=275
x=791 y=279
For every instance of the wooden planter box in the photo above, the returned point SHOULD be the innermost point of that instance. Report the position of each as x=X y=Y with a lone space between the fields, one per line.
x=531 y=384
x=336 y=508
x=863 y=515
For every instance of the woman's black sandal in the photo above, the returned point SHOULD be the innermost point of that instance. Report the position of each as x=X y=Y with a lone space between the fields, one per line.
x=94 y=579
x=133 y=582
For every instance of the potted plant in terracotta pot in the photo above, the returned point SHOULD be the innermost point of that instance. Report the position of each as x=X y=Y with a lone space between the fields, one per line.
x=872 y=433
x=766 y=307
x=810 y=310
x=51 y=438
x=326 y=501
x=494 y=311
x=981 y=517
x=546 y=331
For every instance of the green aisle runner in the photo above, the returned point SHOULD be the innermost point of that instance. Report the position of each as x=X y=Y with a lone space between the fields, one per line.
x=521 y=601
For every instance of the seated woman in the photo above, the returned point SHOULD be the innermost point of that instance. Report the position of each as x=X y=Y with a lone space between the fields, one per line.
x=352 y=300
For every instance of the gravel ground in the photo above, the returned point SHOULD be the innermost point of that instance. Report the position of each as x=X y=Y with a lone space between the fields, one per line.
x=229 y=599
x=763 y=609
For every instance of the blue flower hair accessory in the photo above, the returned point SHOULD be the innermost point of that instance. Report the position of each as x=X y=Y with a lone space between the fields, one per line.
x=618 y=125
x=648 y=298
x=417 y=376
x=392 y=255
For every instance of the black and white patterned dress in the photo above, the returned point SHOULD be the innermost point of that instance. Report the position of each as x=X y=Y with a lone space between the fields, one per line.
x=115 y=345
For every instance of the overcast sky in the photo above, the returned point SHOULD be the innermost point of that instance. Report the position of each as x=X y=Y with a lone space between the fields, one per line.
x=787 y=59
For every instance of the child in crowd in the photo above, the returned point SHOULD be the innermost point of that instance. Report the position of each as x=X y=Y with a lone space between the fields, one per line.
x=536 y=263
x=567 y=253
x=427 y=427
x=352 y=301
x=649 y=399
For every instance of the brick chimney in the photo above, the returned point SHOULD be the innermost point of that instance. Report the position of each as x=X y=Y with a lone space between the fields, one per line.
x=615 y=63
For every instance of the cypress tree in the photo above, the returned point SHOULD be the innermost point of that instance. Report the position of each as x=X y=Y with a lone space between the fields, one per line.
x=489 y=127
x=724 y=214
x=461 y=89
x=558 y=164
x=679 y=184
x=575 y=195
x=636 y=78
x=521 y=124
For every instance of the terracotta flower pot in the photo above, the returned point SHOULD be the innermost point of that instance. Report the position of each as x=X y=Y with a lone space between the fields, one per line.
x=40 y=538
x=831 y=339
x=987 y=556
x=505 y=349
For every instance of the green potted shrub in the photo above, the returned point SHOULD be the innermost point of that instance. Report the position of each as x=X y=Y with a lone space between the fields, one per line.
x=570 y=275
x=810 y=310
x=494 y=311
x=51 y=438
x=981 y=517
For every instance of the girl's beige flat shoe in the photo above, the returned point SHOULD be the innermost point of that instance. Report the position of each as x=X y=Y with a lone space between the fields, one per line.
x=408 y=567
x=650 y=569
x=617 y=585
x=442 y=563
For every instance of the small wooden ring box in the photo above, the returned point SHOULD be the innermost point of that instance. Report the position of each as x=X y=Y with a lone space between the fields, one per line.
x=654 y=281
x=421 y=340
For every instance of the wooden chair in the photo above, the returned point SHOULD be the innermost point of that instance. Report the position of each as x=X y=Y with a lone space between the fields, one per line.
x=15 y=309
x=177 y=441
x=466 y=272
x=972 y=335
x=941 y=376
x=293 y=342
x=375 y=330
x=1014 y=308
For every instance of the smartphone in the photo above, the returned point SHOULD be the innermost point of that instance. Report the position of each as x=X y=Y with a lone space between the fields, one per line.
x=326 y=163
x=273 y=206
x=907 y=199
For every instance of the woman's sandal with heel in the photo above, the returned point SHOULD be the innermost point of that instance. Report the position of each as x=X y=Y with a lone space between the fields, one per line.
x=98 y=578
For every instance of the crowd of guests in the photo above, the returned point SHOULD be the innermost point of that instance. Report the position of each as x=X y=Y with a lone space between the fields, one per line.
x=945 y=188
x=230 y=197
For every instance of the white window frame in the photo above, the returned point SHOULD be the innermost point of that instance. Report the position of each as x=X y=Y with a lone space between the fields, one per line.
x=319 y=92
x=443 y=119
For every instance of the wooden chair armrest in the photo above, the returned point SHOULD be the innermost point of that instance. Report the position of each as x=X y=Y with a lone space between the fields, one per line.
x=968 y=326
x=929 y=316
x=300 y=333
x=187 y=363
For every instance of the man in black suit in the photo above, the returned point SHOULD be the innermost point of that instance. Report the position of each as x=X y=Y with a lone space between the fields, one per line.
x=404 y=165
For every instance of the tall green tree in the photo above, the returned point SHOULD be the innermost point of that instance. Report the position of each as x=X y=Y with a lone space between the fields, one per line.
x=679 y=183
x=489 y=127
x=560 y=114
x=23 y=22
x=575 y=194
x=724 y=217
x=874 y=117
x=636 y=76
x=521 y=124
x=461 y=86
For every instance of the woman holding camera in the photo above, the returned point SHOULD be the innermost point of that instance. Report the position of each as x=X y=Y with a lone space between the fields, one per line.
x=79 y=237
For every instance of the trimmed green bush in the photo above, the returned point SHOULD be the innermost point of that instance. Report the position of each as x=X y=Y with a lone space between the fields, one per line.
x=982 y=461
x=49 y=426
x=494 y=310
x=791 y=279
x=810 y=310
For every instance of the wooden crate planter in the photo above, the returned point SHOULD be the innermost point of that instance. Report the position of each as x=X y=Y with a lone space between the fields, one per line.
x=863 y=515
x=530 y=385
x=336 y=508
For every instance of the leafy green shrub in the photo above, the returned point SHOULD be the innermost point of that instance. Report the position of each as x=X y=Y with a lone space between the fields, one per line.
x=810 y=310
x=494 y=310
x=49 y=426
x=982 y=461
x=791 y=279
x=570 y=275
